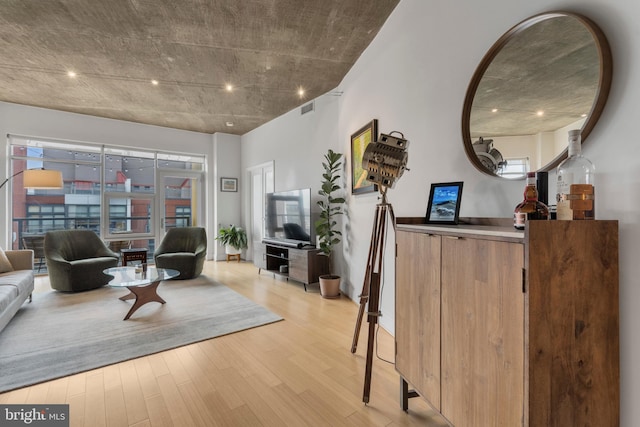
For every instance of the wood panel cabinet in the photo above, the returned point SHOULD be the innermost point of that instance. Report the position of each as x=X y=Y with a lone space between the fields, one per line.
x=304 y=265
x=497 y=327
x=418 y=312
x=482 y=332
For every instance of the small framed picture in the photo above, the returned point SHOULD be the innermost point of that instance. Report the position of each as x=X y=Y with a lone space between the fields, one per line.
x=444 y=203
x=229 y=184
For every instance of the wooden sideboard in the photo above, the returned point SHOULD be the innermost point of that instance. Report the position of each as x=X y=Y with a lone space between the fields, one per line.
x=498 y=327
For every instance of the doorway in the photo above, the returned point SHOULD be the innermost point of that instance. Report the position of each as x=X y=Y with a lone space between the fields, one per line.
x=261 y=178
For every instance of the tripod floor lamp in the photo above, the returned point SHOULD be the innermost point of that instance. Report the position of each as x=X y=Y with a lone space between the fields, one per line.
x=385 y=161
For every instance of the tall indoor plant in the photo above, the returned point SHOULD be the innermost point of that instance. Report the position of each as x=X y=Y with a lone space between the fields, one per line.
x=326 y=226
x=233 y=238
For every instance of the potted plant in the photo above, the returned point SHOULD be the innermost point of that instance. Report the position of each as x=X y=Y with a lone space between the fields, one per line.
x=326 y=225
x=233 y=238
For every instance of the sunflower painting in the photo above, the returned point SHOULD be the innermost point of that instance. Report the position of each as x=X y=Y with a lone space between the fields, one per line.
x=359 y=141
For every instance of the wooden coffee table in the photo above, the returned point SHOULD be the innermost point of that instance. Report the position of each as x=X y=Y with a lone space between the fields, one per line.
x=143 y=286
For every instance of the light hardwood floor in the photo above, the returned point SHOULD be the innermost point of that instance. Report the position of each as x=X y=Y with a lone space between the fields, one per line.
x=297 y=372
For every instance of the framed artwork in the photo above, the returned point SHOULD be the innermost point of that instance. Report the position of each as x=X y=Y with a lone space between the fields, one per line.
x=229 y=184
x=444 y=203
x=359 y=141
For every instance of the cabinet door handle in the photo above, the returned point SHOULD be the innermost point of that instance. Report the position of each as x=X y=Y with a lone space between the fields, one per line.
x=453 y=237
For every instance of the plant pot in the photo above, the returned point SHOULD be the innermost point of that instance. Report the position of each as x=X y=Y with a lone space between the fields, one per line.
x=330 y=286
x=230 y=250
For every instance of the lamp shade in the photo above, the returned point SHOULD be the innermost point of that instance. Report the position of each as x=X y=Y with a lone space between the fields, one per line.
x=42 y=179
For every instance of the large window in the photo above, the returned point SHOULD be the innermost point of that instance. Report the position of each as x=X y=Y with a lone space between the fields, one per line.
x=183 y=216
x=109 y=190
x=515 y=168
x=41 y=218
x=127 y=171
x=84 y=216
x=180 y=161
x=132 y=215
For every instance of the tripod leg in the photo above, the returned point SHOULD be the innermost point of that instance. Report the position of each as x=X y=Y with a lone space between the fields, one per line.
x=372 y=319
x=374 y=302
x=392 y=215
x=356 y=333
x=364 y=295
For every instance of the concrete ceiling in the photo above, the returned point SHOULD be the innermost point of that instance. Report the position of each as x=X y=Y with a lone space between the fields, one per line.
x=266 y=49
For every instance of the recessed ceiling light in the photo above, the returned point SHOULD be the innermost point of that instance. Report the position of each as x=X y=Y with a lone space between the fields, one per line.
x=229 y=87
x=229 y=124
x=300 y=92
x=540 y=113
x=583 y=115
x=71 y=74
x=495 y=110
x=154 y=82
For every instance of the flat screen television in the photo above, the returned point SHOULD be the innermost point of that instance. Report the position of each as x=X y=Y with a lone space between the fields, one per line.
x=288 y=218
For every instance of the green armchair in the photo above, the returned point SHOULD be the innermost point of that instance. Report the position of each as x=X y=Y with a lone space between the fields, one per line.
x=183 y=249
x=76 y=259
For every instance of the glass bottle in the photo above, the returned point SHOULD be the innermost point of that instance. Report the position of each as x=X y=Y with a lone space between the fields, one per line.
x=530 y=208
x=575 y=192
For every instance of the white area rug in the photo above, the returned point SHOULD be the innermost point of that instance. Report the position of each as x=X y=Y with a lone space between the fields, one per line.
x=59 y=334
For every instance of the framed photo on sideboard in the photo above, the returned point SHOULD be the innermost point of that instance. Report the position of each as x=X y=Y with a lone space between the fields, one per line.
x=444 y=203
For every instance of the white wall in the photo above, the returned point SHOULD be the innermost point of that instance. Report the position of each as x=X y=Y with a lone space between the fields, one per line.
x=227 y=204
x=413 y=78
x=296 y=144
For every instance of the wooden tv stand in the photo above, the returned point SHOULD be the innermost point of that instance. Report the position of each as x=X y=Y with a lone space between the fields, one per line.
x=304 y=265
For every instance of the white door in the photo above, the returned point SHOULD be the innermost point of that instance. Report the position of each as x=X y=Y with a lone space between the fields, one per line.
x=261 y=179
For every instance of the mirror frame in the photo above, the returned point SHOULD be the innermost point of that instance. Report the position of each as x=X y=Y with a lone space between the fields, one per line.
x=604 y=83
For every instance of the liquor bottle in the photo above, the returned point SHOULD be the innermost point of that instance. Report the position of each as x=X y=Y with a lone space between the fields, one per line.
x=575 y=187
x=530 y=208
x=542 y=185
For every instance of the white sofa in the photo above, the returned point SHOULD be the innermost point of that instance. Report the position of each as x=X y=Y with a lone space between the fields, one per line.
x=15 y=286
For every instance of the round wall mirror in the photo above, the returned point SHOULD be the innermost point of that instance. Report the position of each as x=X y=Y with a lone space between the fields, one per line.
x=545 y=76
